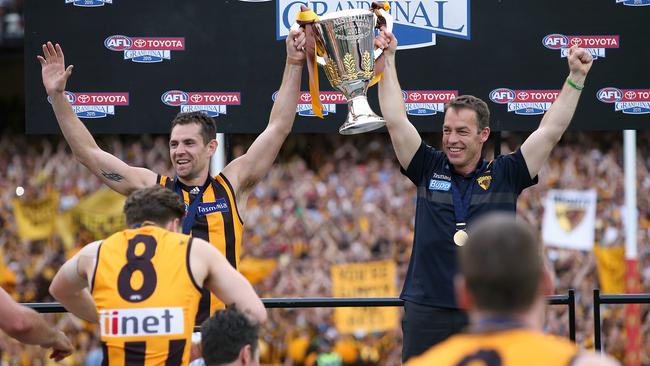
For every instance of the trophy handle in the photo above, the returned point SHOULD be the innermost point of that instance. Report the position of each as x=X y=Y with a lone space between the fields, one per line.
x=319 y=59
x=389 y=27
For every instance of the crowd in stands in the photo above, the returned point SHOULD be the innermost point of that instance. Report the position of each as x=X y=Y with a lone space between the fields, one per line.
x=12 y=27
x=328 y=200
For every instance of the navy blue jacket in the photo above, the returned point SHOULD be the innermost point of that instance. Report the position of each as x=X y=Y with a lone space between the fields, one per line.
x=494 y=186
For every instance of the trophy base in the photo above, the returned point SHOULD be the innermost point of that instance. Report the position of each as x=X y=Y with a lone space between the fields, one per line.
x=368 y=123
x=361 y=118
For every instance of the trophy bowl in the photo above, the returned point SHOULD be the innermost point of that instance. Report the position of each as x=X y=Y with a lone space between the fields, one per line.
x=345 y=51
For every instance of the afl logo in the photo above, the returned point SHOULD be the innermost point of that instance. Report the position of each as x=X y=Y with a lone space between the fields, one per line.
x=71 y=97
x=609 y=95
x=175 y=98
x=118 y=43
x=555 y=41
x=502 y=95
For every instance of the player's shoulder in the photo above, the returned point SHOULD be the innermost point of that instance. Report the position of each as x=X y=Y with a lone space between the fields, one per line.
x=91 y=248
x=163 y=180
x=175 y=237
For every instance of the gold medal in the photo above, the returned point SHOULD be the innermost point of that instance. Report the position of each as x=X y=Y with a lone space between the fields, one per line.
x=460 y=237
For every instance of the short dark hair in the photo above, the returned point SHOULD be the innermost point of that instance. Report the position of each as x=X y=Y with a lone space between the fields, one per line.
x=475 y=104
x=207 y=123
x=502 y=262
x=224 y=335
x=156 y=204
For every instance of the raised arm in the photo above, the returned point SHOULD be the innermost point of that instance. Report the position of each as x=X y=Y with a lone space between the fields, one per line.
x=210 y=268
x=537 y=147
x=111 y=170
x=27 y=326
x=70 y=284
x=245 y=171
x=406 y=139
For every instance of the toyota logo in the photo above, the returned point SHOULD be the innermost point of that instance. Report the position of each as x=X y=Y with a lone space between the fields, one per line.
x=416 y=97
x=630 y=94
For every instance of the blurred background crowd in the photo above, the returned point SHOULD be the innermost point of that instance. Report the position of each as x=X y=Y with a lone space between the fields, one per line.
x=328 y=200
x=12 y=26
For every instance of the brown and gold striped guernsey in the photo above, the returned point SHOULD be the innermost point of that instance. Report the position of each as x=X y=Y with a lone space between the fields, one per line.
x=503 y=348
x=146 y=298
x=217 y=221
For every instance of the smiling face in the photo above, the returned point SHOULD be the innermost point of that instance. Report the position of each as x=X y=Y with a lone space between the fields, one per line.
x=190 y=154
x=462 y=140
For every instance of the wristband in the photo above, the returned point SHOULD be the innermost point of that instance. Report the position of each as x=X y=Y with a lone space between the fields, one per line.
x=574 y=85
x=291 y=61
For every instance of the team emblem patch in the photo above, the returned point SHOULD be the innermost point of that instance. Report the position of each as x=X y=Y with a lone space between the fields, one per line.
x=484 y=181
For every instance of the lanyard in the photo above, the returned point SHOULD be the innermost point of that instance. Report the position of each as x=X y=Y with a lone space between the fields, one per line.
x=462 y=201
x=188 y=220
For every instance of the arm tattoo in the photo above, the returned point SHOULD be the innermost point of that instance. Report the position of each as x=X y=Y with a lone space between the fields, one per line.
x=112 y=176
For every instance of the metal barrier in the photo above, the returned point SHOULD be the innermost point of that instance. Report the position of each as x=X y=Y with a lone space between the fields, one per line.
x=336 y=302
x=612 y=299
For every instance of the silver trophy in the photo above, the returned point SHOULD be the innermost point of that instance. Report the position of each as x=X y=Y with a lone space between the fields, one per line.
x=344 y=43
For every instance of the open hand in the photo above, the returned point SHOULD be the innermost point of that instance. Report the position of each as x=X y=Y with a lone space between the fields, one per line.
x=55 y=74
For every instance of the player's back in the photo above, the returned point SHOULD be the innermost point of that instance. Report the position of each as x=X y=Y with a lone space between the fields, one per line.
x=146 y=297
x=513 y=347
x=217 y=221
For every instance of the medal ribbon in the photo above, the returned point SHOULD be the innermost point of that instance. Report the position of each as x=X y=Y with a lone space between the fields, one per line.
x=188 y=220
x=461 y=203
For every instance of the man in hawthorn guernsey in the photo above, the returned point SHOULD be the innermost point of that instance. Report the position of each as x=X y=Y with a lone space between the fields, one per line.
x=142 y=285
x=503 y=284
x=214 y=203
